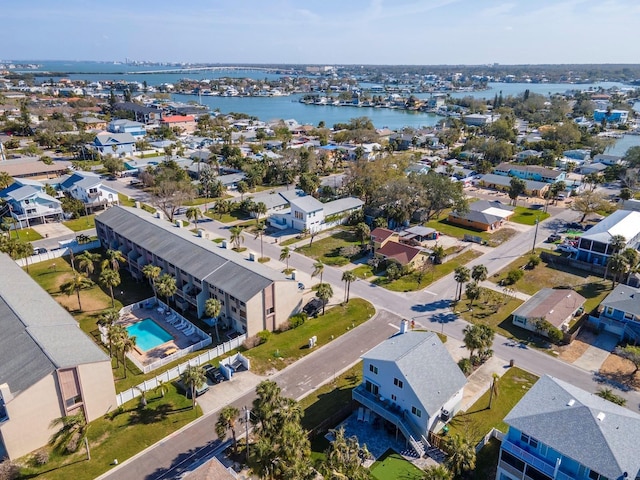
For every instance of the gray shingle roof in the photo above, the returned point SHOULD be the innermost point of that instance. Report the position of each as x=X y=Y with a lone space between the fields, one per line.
x=426 y=365
x=625 y=299
x=307 y=203
x=199 y=257
x=607 y=446
x=38 y=335
x=554 y=305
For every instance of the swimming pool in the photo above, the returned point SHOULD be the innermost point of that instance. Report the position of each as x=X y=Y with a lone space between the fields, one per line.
x=148 y=334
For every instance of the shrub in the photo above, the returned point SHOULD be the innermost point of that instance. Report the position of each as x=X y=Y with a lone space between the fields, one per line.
x=466 y=366
x=393 y=271
x=556 y=336
x=298 y=319
x=41 y=457
x=9 y=470
x=263 y=336
x=349 y=251
x=533 y=262
x=252 y=342
x=513 y=276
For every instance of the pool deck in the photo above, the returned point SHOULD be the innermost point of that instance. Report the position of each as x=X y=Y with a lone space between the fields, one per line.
x=179 y=341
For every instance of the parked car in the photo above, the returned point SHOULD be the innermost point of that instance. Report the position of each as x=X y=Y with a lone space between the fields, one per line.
x=39 y=250
x=314 y=307
x=554 y=237
x=566 y=248
x=213 y=373
x=187 y=391
x=575 y=226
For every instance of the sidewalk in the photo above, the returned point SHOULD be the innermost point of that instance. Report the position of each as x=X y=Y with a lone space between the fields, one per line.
x=505 y=290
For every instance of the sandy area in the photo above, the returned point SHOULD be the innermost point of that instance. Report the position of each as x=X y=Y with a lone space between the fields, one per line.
x=570 y=353
x=620 y=370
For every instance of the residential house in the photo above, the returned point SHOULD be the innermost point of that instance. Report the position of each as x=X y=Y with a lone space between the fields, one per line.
x=185 y=123
x=89 y=188
x=595 y=244
x=556 y=306
x=230 y=181
x=561 y=432
x=115 y=143
x=380 y=236
x=619 y=313
x=141 y=113
x=593 y=167
x=478 y=120
x=611 y=116
x=411 y=381
x=530 y=172
x=580 y=155
x=308 y=214
x=608 y=159
x=28 y=203
x=483 y=215
x=501 y=182
x=49 y=368
x=524 y=155
x=31 y=167
x=91 y=123
x=387 y=246
x=418 y=234
x=254 y=297
x=138 y=130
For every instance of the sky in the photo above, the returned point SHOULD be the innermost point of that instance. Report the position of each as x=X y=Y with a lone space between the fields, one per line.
x=390 y=32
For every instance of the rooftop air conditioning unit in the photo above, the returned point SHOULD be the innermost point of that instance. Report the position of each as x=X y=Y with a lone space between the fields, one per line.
x=445 y=415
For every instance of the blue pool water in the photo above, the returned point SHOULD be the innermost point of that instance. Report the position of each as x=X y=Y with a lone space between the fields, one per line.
x=148 y=334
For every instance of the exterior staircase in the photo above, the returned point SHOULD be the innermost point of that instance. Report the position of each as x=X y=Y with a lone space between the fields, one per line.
x=417 y=446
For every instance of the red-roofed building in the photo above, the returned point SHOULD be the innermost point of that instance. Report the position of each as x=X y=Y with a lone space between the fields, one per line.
x=380 y=236
x=401 y=253
x=187 y=123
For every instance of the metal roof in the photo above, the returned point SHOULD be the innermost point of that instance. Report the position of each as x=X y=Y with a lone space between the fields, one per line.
x=38 y=335
x=197 y=256
x=307 y=203
x=620 y=222
x=425 y=364
x=341 y=205
x=596 y=433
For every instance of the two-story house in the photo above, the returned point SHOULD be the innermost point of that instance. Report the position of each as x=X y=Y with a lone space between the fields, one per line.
x=560 y=432
x=90 y=190
x=411 y=381
x=28 y=203
x=308 y=214
x=389 y=245
x=530 y=172
x=619 y=313
x=137 y=130
x=595 y=244
x=114 y=143
x=141 y=113
x=186 y=123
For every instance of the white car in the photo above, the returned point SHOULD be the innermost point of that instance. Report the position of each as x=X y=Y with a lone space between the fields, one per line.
x=566 y=248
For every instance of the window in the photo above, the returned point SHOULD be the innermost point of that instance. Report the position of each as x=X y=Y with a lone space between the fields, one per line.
x=234 y=309
x=532 y=442
x=298 y=215
x=270 y=310
x=509 y=459
x=371 y=387
x=398 y=383
x=393 y=397
x=416 y=411
x=628 y=316
x=596 y=476
x=70 y=387
x=373 y=368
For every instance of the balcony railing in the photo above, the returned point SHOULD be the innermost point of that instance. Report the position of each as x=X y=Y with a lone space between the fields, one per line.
x=544 y=466
x=94 y=194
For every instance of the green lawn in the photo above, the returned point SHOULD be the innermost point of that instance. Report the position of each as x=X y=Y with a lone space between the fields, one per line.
x=328 y=249
x=528 y=216
x=290 y=241
x=392 y=466
x=120 y=434
x=282 y=349
x=554 y=275
x=493 y=309
x=126 y=201
x=493 y=239
x=233 y=216
x=83 y=223
x=487 y=461
x=210 y=201
x=409 y=283
x=26 y=234
x=476 y=422
x=363 y=271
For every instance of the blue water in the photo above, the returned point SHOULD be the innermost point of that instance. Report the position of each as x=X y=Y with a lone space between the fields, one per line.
x=623 y=144
x=148 y=334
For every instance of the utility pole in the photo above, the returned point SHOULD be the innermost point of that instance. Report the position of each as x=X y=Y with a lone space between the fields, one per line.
x=535 y=236
x=246 y=427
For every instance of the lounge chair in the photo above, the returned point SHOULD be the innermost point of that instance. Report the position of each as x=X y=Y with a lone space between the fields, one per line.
x=367 y=416
x=185 y=327
x=180 y=323
x=172 y=319
x=189 y=331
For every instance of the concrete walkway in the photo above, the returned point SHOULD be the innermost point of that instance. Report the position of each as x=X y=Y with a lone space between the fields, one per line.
x=593 y=358
x=505 y=290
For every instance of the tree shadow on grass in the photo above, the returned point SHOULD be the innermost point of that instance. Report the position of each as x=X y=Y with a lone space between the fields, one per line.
x=44 y=472
x=146 y=416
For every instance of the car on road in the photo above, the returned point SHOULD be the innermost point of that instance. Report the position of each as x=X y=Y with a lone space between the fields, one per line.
x=300 y=286
x=314 y=307
x=554 y=237
x=566 y=248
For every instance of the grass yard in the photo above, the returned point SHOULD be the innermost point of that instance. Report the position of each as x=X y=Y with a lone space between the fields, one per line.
x=493 y=309
x=476 y=422
x=409 y=283
x=83 y=223
x=528 y=216
x=282 y=349
x=210 y=201
x=487 y=461
x=493 y=239
x=119 y=434
x=26 y=234
x=233 y=216
x=328 y=249
x=392 y=466
x=363 y=272
x=290 y=241
x=126 y=201
x=548 y=275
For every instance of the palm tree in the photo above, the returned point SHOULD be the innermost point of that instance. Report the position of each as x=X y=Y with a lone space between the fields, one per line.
x=285 y=255
x=152 y=272
x=348 y=277
x=115 y=333
x=472 y=339
x=616 y=243
x=461 y=455
x=167 y=286
x=87 y=260
x=212 y=309
x=260 y=229
x=437 y=472
x=608 y=394
x=221 y=207
x=461 y=276
x=617 y=265
x=193 y=377
x=236 y=236
x=324 y=293
x=109 y=278
x=5 y=180
x=494 y=388
x=472 y=291
x=479 y=273
x=126 y=345
x=318 y=269
x=113 y=260
x=193 y=214
x=227 y=421
x=364 y=232
x=265 y=405
x=632 y=257
x=72 y=431
x=77 y=283
x=259 y=209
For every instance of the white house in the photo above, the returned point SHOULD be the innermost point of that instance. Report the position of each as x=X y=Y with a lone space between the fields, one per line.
x=89 y=189
x=411 y=381
x=27 y=202
x=136 y=129
x=114 y=143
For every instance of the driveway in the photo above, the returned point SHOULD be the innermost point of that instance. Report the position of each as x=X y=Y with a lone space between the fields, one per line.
x=593 y=358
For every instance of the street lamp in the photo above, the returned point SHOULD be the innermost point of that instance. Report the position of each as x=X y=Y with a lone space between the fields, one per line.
x=535 y=236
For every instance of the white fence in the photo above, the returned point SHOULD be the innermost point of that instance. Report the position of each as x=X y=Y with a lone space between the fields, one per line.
x=494 y=433
x=59 y=252
x=175 y=372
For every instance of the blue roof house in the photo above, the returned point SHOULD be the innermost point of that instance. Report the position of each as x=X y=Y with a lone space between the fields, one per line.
x=619 y=313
